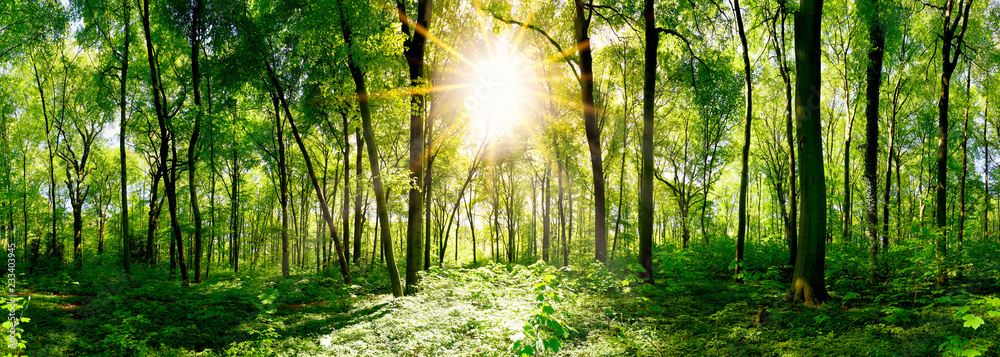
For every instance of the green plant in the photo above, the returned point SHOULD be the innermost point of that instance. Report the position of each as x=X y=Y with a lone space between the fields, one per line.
x=264 y=345
x=130 y=337
x=957 y=345
x=543 y=332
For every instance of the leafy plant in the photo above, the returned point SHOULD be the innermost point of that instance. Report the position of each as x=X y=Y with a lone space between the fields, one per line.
x=956 y=345
x=543 y=332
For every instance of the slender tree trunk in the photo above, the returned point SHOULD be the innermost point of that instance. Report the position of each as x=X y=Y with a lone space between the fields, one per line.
x=546 y=213
x=192 y=146
x=279 y=127
x=346 y=209
x=428 y=179
x=779 y=50
x=472 y=227
x=122 y=82
x=808 y=282
x=344 y=270
x=562 y=214
x=748 y=118
x=965 y=160
x=161 y=114
x=888 y=170
x=986 y=175
x=358 y=215
x=175 y=226
x=369 y=138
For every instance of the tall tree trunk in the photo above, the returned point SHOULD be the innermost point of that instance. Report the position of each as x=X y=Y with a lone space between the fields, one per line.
x=344 y=270
x=874 y=84
x=369 y=138
x=175 y=226
x=346 y=209
x=581 y=25
x=779 y=51
x=428 y=178
x=562 y=214
x=358 y=215
x=965 y=159
x=53 y=248
x=279 y=130
x=546 y=213
x=986 y=176
x=748 y=119
x=472 y=226
x=161 y=115
x=414 y=47
x=951 y=50
x=646 y=173
x=888 y=169
x=848 y=193
x=192 y=146
x=122 y=82
x=808 y=282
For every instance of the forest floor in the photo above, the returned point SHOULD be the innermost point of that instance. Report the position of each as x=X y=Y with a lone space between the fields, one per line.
x=583 y=310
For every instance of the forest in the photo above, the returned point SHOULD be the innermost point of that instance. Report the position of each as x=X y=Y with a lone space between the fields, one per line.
x=500 y=178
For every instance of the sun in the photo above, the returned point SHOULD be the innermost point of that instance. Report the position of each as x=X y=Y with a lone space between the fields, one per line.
x=498 y=93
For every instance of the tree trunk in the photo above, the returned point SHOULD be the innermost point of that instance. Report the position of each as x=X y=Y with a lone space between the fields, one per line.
x=358 y=215
x=472 y=226
x=414 y=46
x=122 y=82
x=192 y=146
x=646 y=172
x=949 y=59
x=779 y=51
x=161 y=114
x=808 y=282
x=546 y=209
x=369 y=138
x=279 y=127
x=744 y=169
x=346 y=209
x=986 y=176
x=873 y=83
x=965 y=160
x=581 y=30
x=344 y=270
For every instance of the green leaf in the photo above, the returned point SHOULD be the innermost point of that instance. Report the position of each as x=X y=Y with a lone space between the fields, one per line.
x=974 y=321
x=993 y=313
x=971 y=353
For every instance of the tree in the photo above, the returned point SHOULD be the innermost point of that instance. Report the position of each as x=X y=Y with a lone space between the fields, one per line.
x=952 y=45
x=748 y=80
x=876 y=35
x=414 y=46
x=808 y=281
x=361 y=91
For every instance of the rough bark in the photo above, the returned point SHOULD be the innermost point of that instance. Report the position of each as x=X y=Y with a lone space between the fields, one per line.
x=873 y=83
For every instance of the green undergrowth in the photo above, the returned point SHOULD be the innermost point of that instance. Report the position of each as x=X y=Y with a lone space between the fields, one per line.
x=585 y=309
